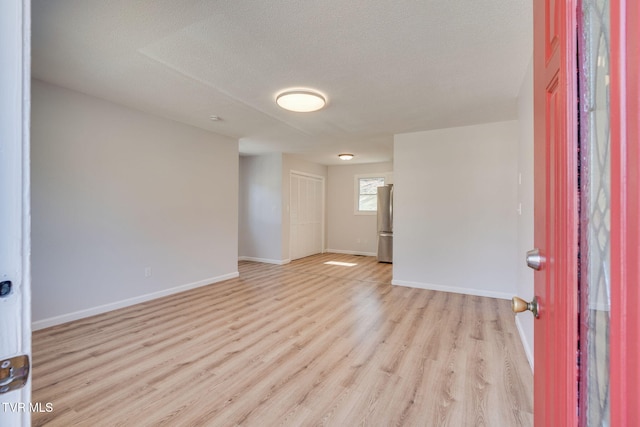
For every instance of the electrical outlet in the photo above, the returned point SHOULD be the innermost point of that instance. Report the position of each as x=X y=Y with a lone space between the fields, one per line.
x=147 y=272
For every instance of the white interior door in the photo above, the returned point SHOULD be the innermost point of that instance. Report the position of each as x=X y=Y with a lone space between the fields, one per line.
x=15 y=327
x=306 y=215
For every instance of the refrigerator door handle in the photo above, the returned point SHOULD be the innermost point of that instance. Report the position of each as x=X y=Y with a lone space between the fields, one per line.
x=385 y=234
x=391 y=207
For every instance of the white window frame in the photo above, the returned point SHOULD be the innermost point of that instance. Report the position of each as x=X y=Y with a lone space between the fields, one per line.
x=356 y=190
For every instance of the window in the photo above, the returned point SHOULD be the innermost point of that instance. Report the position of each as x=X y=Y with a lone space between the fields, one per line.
x=367 y=193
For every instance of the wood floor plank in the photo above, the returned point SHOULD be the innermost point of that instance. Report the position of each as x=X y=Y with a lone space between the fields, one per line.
x=301 y=344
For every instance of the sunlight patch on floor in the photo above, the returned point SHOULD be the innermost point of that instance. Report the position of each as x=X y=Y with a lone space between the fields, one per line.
x=340 y=263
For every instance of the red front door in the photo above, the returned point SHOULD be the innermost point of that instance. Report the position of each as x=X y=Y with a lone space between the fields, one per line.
x=555 y=212
x=562 y=348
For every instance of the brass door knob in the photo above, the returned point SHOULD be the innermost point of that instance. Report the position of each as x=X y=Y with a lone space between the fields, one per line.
x=518 y=305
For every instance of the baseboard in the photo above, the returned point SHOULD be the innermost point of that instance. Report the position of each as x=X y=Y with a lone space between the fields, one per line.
x=456 y=290
x=525 y=343
x=341 y=251
x=81 y=314
x=265 y=260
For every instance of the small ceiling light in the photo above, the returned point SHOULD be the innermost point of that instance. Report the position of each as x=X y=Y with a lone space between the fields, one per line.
x=345 y=156
x=301 y=100
x=214 y=118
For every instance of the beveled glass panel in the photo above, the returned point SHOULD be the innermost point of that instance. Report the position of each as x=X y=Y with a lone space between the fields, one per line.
x=595 y=179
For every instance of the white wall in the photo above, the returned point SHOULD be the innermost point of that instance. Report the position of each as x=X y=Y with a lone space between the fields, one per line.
x=116 y=191
x=293 y=163
x=348 y=232
x=260 y=228
x=455 y=209
x=524 y=321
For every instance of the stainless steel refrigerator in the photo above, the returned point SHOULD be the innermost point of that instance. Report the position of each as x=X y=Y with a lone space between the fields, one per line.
x=385 y=223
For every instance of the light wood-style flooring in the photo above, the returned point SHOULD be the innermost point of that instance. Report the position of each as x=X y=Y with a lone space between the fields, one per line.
x=296 y=345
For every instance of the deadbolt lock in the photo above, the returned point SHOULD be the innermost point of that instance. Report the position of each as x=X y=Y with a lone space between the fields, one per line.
x=535 y=259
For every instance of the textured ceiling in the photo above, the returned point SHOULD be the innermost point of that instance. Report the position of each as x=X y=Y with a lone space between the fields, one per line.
x=386 y=66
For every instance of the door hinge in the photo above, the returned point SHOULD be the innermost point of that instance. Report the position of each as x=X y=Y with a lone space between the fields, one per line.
x=5 y=288
x=14 y=373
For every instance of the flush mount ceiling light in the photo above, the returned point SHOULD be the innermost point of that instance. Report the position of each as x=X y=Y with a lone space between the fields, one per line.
x=345 y=156
x=301 y=100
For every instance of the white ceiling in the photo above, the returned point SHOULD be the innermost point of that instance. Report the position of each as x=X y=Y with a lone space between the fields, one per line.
x=386 y=66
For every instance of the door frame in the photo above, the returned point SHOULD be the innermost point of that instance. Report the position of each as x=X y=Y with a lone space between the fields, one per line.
x=625 y=211
x=15 y=80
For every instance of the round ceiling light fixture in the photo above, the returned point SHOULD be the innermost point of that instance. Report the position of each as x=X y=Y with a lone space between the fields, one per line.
x=345 y=156
x=301 y=100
